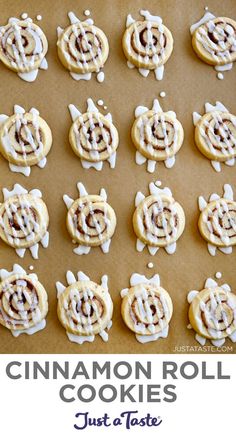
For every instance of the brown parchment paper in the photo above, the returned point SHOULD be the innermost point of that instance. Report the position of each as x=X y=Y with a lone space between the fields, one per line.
x=188 y=84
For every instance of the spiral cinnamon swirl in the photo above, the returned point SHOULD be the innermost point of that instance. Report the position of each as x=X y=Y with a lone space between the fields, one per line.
x=214 y=41
x=85 y=310
x=25 y=139
x=82 y=47
x=158 y=220
x=157 y=135
x=23 y=220
x=217 y=223
x=215 y=135
x=147 y=310
x=147 y=44
x=93 y=137
x=212 y=314
x=91 y=221
x=23 y=46
x=23 y=303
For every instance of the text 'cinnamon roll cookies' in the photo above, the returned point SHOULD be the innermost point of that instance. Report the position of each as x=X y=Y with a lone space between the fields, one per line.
x=23 y=301
x=158 y=136
x=147 y=44
x=84 y=307
x=24 y=220
x=91 y=221
x=158 y=220
x=215 y=135
x=23 y=47
x=217 y=221
x=146 y=308
x=212 y=313
x=82 y=48
x=214 y=41
x=93 y=137
x=25 y=140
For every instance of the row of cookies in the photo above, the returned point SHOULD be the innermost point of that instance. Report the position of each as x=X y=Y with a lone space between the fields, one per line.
x=158 y=220
x=26 y=138
x=83 y=48
x=85 y=308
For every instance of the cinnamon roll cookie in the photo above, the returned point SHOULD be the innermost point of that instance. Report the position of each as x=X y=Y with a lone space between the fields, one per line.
x=91 y=221
x=146 y=308
x=217 y=221
x=214 y=41
x=93 y=137
x=23 y=301
x=24 y=220
x=158 y=136
x=82 y=48
x=212 y=313
x=158 y=220
x=23 y=47
x=25 y=140
x=215 y=135
x=84 y=307
x=147 y=44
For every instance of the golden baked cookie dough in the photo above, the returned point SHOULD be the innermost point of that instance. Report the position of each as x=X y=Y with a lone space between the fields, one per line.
x=23 y=47
x=23 y=301
x=91 y=221
x=82 y=47
x=158 y=220
x=146 y=308
x=215 y=41
x=84 y=308
x=25 y=139
x=212 y=313
x=147 y=44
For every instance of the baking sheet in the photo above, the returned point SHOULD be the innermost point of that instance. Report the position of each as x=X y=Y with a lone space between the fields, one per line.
x=188 y=84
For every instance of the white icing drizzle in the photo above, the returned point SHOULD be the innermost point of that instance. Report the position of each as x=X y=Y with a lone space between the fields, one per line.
x=209 y=312
x=85 y=249
x=34 y=141
x=21 y=60
x=155 y=189
x=210 y=46
x=84 y=76
x=73 y=308
x=147 y=16
x=221 y=206
x=144 y=309
x=143 y=123
x=33 y=302
x=206 y=17
x=28 y=225
x=229 y=139
x=109 y=141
